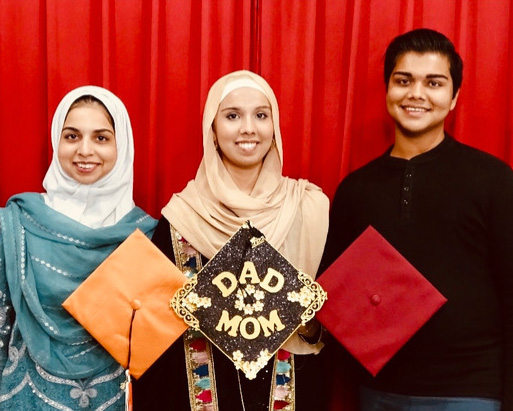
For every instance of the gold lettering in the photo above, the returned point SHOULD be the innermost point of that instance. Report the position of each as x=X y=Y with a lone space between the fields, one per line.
x=230 y=326
x=273 y=274
x=248 y=335
x=249 y=272
x=271 y=324
x=218 y=281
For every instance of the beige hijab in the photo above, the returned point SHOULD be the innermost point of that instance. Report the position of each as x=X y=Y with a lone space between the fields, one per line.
x=292 y=214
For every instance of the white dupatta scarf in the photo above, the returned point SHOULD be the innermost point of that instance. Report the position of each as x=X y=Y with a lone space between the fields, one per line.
x=106 y=201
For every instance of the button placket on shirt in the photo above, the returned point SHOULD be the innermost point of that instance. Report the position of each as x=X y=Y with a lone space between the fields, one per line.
x=406 y=192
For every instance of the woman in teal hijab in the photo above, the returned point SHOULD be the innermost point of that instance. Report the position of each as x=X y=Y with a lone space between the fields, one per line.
x=50 y=243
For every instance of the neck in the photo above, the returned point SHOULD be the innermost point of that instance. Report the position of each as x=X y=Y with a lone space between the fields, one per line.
x=409 y=146
x=244 y=178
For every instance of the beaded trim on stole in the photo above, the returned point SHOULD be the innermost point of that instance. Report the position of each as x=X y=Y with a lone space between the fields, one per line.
x=199 y=357
x=198 y=351
x=284 y=383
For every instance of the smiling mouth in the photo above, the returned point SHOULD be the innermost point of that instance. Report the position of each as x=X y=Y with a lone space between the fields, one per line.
x=410 y=109
x=85 y=166
x=247 y=145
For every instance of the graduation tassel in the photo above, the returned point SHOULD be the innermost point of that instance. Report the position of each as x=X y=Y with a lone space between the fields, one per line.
x=127 y=384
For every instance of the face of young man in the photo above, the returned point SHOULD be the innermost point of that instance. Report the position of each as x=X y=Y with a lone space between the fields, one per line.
x=420 y=94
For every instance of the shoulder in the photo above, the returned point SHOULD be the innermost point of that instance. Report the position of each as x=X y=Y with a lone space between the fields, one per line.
x=479 y=163
x=312 y=193
x=163 y=228
x=162 y=238
x=372 y=167
x=368 y=173
x=33 y=203
x=467 y=152
x=23 y=198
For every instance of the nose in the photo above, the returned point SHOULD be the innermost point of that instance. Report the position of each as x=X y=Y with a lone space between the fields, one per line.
x=247 y=125
x=85 y=147
x=417 y=90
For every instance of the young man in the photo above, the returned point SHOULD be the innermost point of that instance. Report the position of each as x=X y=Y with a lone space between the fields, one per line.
x=448 y=209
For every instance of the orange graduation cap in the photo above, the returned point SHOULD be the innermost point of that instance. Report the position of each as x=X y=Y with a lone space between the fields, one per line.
x=124 y=303
x=376 y=301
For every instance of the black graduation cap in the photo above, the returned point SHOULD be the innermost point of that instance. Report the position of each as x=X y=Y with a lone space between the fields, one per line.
x=248 y=300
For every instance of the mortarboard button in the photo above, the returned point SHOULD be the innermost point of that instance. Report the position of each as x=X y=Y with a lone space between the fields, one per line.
x=375 y=299
x=136 y=304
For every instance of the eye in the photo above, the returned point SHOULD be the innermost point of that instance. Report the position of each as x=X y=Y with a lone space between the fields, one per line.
x=232 y=116
x=434 y=83
x=262 y=116
x=102 y=138
x=402 y=81
x=70 y=136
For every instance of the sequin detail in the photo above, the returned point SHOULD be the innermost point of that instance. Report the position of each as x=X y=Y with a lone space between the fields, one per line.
x=55 y=233
x=50 y=266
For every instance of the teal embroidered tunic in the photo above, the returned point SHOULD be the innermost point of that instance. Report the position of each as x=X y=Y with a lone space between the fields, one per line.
x=47 y=360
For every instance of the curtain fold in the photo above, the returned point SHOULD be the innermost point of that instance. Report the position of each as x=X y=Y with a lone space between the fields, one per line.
x=323 y=58
x=24 y=144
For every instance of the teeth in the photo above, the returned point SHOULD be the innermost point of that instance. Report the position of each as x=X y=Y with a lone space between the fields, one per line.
x=415 y=109
x=246 y=146
x=86 y=165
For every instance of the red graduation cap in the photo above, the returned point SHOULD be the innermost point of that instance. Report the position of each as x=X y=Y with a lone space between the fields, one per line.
x=376 y=301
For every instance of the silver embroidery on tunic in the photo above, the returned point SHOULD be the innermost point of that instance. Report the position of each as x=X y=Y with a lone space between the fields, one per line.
x=59 y=235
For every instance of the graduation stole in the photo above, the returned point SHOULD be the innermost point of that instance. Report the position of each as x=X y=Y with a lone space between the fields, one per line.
x=199 y=356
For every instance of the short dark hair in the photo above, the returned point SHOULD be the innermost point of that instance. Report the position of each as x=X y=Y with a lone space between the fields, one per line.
x=424 y=41
x=88 y=100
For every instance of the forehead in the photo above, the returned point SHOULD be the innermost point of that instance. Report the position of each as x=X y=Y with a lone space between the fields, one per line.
x=88 y=113
x=423 y=64
x=244 y=97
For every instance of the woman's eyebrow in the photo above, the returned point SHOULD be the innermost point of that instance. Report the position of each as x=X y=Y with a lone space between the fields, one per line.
x=240 y=108
x=99 y=130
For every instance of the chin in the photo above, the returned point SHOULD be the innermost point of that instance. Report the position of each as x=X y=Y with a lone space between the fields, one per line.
x=86 y=180
x=415 y=132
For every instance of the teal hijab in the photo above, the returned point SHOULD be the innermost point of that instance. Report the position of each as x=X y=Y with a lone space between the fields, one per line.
x=45 y=256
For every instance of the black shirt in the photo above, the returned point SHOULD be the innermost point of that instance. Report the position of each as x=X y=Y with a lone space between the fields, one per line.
x=449 y=212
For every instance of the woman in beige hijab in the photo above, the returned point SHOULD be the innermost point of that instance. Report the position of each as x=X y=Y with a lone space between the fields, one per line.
x=239 y=179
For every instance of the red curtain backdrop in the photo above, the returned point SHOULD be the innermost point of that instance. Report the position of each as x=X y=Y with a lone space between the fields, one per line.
x=323 y=58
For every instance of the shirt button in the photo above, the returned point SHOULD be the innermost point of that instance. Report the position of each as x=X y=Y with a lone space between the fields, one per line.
x=406 y=188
